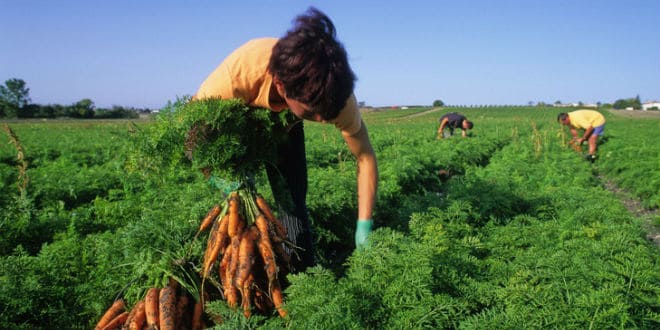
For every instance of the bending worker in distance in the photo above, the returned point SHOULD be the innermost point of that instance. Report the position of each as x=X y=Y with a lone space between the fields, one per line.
x=452 y=121
x=591 y=121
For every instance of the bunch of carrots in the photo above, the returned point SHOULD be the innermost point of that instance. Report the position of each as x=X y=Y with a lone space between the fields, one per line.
x=244 y=258
x=575 y=146
x=246 y=243
x=161 y=308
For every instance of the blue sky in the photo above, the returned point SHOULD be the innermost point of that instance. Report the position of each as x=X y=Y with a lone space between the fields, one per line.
x=144 y=53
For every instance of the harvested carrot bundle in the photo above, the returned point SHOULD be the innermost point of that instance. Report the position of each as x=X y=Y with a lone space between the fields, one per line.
x=247 y=243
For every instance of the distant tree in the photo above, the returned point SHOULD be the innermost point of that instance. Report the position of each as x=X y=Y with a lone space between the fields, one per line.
x=6 y=109
x=15 y=96
x=558 y=102
x=15 y=92
x=637 y=103
x=116 y=112
x=82 y=109
x=634 y=103
x=438 y=103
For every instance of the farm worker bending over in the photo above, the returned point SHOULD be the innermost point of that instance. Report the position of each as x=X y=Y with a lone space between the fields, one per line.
x=452 y=121
x=307 y=72
x=593 y=124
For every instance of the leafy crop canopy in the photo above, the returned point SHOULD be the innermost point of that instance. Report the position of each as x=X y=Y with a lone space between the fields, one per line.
x=226 y=137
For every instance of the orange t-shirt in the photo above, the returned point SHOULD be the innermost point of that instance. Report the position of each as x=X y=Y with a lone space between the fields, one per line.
x=244 y=74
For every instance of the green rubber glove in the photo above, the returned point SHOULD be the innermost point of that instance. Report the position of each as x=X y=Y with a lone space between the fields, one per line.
x=223 y=185
x=362 y=231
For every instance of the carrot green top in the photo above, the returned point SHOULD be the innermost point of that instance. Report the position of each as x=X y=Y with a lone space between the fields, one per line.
x=586 y=118
x=244 y=74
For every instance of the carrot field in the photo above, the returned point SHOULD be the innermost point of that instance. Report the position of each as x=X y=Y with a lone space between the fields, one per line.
x=518 y=231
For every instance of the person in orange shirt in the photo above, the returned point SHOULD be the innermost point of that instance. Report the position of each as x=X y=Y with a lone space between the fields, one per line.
x=307 y=72
x=593 y=124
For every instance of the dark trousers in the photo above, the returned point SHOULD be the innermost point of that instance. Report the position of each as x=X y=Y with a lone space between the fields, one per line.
x=288 y=181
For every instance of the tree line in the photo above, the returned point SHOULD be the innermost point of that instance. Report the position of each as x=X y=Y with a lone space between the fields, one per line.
x=15 y=102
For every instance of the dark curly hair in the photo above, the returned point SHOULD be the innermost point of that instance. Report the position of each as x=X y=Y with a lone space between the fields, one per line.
x=562 y=116
x=313 y=66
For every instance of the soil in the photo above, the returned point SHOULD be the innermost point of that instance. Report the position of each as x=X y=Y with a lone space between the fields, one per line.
x=635 y=207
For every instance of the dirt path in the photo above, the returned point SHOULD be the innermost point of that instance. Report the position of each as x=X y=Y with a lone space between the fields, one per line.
x=636 y=114
x=424 y=112
x=636 y=208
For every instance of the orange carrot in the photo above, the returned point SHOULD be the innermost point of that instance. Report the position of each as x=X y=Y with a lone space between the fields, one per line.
x=210 y=216
x=223 y=233
x=278 y=299
x=231 y=295
x=166 y=308
x=214 y=245
x=151 y=308
x=224 y=268
x=246 y=293
x=116 y=322
x=245 y=260
x=210 y=242
x=234 y=216
x=266 y=250
x=197 y=315
x=266 y=210
x=138 y=319
x=246 y=255
x=115 y=309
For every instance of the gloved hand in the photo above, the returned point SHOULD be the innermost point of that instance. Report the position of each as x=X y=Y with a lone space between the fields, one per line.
x=223 y=185
x=362 y=230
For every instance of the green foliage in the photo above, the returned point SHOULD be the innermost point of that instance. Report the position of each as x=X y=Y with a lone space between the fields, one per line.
x=629 y=157
x=227 y=137
x=519 y=235
x=14 y=96
x=633 y=102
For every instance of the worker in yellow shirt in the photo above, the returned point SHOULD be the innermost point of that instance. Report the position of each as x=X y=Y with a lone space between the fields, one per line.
x=307 y=72
x=591 y=121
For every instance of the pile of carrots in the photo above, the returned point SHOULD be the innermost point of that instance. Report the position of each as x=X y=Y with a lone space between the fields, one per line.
x=246 y=242
x=575 y=146
x=161 y=308
x=244 y=258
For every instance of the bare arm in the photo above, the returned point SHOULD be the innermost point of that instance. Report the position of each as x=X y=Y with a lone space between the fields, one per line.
x=587 y=133
x=367 y=171
x=443 y=123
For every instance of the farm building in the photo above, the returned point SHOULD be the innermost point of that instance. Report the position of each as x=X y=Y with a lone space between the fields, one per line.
x=651 y=105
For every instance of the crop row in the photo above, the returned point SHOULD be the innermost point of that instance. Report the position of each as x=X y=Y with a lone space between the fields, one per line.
x=517 y=234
